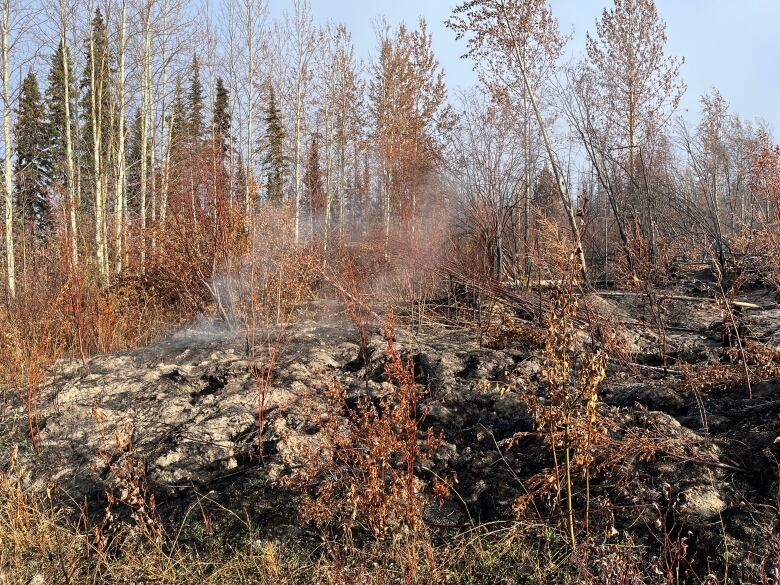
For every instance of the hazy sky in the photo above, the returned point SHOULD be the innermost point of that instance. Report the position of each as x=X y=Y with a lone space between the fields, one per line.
x=733 y=45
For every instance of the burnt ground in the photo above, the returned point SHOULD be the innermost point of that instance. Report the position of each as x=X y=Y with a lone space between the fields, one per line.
x=708 y=488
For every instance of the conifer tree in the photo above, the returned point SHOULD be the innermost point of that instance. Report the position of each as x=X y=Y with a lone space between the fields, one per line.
x=221 y=119
x=195 y=102
x=178 y=123
x=275 y=161
x=134 y=162
x=314 y=191
x=56 y=164
x=101 y=89
x=31 y=192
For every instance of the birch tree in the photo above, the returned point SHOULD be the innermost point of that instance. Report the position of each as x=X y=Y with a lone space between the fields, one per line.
x=72 y=197
x=8 y=199
x=120 y=193
x=301 y=40
x=145 y=114
x=489 y=25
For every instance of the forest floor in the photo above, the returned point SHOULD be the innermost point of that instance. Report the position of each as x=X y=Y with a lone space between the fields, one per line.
x=687 y=487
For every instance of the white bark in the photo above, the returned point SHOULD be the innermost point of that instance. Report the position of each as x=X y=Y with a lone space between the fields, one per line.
x=71 y=172
x=8 y=168
x=96 y=116
x=120 y=206
x=560 y=181
x=145 y=109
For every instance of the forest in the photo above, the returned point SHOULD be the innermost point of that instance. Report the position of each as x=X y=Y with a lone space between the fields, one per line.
x=277 y=308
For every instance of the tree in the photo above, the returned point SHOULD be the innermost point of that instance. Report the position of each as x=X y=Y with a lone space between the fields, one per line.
x=493 y=52
x=314 y=189
x=409 y=110
x=146 y=138
x=120 y=200
x=31 y=190
x=195 y=102
x=275 y=160
x=708 y=162
x=8 y=147
x=221 y=120
x=66 y=121
x=339 y=92
x=639 y=84
x=56 y=122
x=486 y=159
x=177 y=125
x=301 y=39
x=492 y=26
x=134 y=154
x=96 y=110
x=638 y=88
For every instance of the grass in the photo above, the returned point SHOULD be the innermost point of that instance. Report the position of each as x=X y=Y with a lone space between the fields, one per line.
x=39 y=538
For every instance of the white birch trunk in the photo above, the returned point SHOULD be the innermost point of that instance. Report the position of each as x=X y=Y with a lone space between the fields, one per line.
x=8 y=169
x=120 y=205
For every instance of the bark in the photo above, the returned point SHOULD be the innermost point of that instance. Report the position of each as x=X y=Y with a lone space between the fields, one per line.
x=72 y=199
x=120 y=206
x=8 y=168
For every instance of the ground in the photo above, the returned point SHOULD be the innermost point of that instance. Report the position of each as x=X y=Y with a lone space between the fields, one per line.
x=696 y=489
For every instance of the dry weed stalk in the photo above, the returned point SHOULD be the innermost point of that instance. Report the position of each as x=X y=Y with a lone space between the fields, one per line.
x=567 y=416
x=363 y=471
x=126 y=485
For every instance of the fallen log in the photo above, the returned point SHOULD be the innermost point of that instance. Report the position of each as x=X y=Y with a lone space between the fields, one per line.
x=738 y=304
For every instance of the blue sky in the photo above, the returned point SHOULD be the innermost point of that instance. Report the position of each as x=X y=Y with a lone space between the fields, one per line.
x=730 y=44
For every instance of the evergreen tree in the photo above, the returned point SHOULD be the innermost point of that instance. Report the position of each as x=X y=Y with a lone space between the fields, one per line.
x=101 y=90
x=55 y=162
x=221 y=119
x=31 y=192
x=275 y=161
x=195 y=102
x=134 y=161
x=314 y=190
x=179 y=128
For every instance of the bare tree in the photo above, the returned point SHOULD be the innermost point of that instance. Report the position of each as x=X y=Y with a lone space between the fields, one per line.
x=120 y=192
x=491 y=25
x=541 y=44
x=301 y=39
x=486 y=163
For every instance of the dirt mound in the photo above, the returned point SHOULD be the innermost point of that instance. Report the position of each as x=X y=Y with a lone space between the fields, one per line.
x=702 y=481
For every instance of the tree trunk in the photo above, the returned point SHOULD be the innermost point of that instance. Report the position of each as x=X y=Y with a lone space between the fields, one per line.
x=120 y=205
x=72 y=201
x=563 y=191
x=8 y=169
x=145 y=109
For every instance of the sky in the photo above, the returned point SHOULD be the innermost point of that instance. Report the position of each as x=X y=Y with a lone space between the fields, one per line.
x=733 y=45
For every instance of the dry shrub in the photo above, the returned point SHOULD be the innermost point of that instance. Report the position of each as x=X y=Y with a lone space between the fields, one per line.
x=363 y=469
x=125 y=489
x=267 y=284
x=553 y=259
x=754 y=363
x=567 y=416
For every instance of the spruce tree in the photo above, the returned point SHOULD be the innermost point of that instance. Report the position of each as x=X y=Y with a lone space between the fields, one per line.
x=134 y=161
x=314 y=190
x=195 y=102
x=102 y=91
x=275 y=161
x=31 y=191
x=179 y=128
x=221 y=119
x=55 y=162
